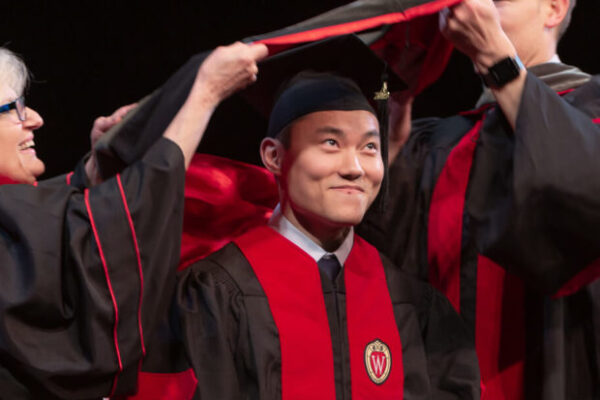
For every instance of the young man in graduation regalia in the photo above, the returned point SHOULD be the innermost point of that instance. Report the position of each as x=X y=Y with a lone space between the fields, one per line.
x=498 y=206
x=302 y=308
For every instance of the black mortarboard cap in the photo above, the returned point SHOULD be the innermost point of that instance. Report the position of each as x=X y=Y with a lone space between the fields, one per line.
x=310 y=92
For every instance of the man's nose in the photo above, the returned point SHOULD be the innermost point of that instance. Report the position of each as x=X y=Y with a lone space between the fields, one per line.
x=351 y=167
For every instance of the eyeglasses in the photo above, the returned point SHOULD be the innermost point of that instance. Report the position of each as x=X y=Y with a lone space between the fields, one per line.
x=19 y=105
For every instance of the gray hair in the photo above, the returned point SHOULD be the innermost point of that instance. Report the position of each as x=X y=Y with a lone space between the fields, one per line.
x=562 y=28
x=13 y=72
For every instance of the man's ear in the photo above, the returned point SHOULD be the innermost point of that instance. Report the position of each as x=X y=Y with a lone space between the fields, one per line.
x=272 y=152
x=557 y=10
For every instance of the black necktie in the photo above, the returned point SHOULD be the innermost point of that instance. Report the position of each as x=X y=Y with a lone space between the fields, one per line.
x=330 y=265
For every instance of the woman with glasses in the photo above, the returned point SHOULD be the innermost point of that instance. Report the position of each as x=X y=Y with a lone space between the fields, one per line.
x=86 y=271
x=18 y=160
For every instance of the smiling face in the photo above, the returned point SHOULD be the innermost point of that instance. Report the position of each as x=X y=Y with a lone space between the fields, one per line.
x=332 y=169
x=18 y=159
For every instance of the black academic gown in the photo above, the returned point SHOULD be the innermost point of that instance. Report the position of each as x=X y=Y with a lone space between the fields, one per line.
x=222 y=316
x=85 y=272
x=526 y=202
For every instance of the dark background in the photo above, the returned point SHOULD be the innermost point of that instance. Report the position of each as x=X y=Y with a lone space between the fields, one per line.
x=88 y=58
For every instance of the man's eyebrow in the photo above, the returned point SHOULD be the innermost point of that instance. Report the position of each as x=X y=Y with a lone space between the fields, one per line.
x=338 y=132
x=371 y=134
x=330 y=129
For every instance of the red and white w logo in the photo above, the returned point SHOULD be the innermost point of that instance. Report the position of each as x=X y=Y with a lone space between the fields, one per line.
x=378 y=361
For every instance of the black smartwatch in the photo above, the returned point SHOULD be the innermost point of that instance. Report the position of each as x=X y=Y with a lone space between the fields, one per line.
x=503 y=72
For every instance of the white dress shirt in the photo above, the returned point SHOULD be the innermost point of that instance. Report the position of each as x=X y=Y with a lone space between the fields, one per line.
x=282 y=225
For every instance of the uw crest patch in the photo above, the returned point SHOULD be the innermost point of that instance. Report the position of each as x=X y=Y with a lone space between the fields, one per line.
x=378 y=361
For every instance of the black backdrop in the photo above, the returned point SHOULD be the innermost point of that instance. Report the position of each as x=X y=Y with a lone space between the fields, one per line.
x=89 y=57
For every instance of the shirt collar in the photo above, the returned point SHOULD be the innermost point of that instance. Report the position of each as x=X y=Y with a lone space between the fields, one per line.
x=555 y=59
x=285 y=228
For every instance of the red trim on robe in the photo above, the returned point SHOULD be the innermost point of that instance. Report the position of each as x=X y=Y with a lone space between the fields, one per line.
x=566 y=91
x=291 y=281
x=4 y=180
x=444 y=233
x=68 y=177
x=479 y=110
x=584 y=277
x=281 y=42
x=500 y=331
x=139 y=260
x=596 y=120
x=369 y=310
x=110 y=289
x=436 y=59
x=168 y=386
x=487 y=106
x=292 y=284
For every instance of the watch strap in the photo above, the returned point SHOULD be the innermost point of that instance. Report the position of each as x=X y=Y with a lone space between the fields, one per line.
x=503 y=72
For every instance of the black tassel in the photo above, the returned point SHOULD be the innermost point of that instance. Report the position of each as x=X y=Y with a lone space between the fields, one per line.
x=381 y=98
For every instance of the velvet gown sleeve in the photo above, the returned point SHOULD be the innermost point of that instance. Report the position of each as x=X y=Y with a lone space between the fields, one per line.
x=451 y=358
x=211 y=322
x=84 y=275
x=541 y=216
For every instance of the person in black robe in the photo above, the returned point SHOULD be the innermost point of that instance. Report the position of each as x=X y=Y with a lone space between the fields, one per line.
x=87 y=270
x=303 y=308
x=499 y=206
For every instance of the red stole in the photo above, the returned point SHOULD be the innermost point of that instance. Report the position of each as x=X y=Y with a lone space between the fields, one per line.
x=446 y=217
x=291 y=281
x=499 y=313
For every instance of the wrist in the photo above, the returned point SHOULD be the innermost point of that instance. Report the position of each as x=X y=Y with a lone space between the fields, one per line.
x=91 y=171
x=204 y=92
x=503 y=72
x=489 y=57
x=484 y=63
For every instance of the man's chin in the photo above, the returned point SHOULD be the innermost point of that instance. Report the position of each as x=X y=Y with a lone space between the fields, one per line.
x=345 y=219
x=348 y=213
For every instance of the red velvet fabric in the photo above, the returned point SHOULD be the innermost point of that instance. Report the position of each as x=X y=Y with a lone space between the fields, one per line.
x=223 y=199
x=173 y=386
